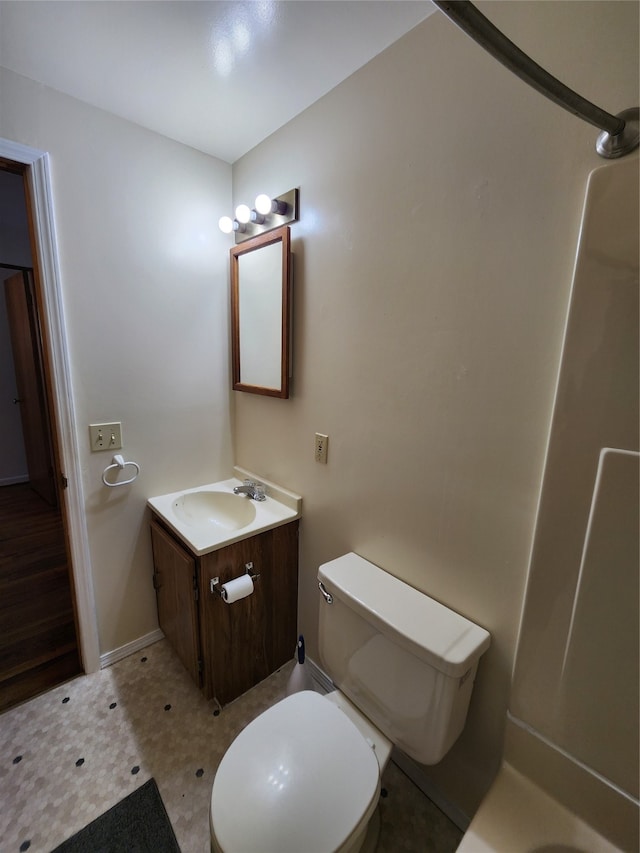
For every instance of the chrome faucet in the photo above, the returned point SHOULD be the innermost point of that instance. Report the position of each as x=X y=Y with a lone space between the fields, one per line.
x=252 y=490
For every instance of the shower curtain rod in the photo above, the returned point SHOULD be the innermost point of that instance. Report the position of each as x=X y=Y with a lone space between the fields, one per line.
x=619 y=134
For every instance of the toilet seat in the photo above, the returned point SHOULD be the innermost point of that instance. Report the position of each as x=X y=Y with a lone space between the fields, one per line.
x=300 y=777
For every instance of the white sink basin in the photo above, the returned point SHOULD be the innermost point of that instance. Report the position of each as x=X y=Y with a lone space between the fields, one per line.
x=221 y=509
x=209 y=517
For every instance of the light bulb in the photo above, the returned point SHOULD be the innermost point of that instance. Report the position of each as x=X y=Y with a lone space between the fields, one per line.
x=263 y=204
x=225 y=224
x=243 y=213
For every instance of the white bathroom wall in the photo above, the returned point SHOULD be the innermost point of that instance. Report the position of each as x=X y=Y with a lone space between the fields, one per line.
x=145 y=295
x=441 y=203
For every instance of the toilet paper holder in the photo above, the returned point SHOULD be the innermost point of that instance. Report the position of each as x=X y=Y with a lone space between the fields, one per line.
x=215 y=585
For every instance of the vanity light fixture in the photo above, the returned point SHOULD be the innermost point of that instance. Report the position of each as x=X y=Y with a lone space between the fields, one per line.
x=265 y=204
x=243 y=213
x=267 y=214
x=228 y=225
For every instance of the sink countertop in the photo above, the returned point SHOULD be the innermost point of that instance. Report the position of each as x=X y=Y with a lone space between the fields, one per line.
x=280 y=507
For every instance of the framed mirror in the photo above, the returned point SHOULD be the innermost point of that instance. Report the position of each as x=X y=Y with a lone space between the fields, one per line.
x=260 y=306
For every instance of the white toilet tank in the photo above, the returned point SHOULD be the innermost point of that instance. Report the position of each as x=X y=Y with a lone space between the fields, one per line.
x=407 y=661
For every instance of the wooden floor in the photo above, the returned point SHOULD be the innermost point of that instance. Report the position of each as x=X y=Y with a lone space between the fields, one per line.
x=38 y=644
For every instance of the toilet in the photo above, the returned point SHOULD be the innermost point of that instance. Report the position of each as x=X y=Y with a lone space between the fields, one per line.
x=304 y=776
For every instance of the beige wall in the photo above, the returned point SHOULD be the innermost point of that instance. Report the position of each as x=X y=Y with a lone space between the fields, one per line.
x=143 y=273
x=441 y=202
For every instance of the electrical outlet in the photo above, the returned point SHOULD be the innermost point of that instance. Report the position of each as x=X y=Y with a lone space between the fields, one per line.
x=105 y=436
x=321 y=447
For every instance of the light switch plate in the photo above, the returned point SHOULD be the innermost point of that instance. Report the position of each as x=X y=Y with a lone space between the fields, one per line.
x=105 y=436
x=321 y=448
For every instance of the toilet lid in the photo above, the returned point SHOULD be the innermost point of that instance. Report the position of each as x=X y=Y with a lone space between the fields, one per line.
x=300 y=777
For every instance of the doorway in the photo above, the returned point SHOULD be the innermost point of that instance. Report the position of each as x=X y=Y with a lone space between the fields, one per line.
x=39 y=641
x=25 y=339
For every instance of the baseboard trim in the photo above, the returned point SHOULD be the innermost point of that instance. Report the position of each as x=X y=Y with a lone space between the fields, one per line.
x=408 y=766
x=420 y=779
x=13 y=481
x=131 y=648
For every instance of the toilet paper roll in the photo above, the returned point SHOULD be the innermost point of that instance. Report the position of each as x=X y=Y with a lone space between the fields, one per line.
x=236 y=589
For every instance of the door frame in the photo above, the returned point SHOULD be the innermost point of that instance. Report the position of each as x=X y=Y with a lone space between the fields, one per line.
x=38 y=186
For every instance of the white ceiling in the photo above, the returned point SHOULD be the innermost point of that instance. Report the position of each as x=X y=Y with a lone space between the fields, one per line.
x=219 y=76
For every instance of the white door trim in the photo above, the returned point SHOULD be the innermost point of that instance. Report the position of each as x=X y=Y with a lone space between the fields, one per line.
x=45 y=236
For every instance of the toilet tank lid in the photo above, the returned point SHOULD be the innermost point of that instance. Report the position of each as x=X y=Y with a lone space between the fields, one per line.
x=432 y=632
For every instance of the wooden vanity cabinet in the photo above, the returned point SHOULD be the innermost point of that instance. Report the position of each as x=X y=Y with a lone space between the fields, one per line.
x=244 y=642
x=228 y=648
x=176 y=583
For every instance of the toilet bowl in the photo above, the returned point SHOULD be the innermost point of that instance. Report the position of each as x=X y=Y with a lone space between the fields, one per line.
x=304 y=776
x=301 y=777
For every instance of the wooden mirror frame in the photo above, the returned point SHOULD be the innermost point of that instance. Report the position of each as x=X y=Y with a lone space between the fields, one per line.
x=282 y=236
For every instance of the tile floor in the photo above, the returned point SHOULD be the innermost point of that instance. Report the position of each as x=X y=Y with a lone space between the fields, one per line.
x=72 y=753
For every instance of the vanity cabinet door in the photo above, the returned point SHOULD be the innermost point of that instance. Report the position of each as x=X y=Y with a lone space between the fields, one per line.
x=244 y=642
x=175 y=581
